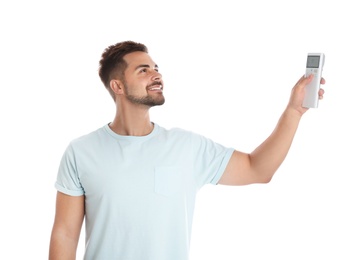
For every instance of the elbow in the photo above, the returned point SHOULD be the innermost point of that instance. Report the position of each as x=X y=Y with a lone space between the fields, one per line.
x=264 y=178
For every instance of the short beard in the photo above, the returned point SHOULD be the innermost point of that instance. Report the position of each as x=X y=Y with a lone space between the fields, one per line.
x=146 y=100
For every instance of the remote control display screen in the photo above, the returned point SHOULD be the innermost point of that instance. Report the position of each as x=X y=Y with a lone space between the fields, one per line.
x=313 y=61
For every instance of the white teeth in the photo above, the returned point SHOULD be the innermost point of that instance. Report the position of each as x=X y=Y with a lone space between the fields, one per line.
x=156 y=88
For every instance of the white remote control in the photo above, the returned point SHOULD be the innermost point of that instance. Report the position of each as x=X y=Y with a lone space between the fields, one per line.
x=314 y=65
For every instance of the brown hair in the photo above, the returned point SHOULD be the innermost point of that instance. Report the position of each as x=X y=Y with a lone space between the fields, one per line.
x=112 y=64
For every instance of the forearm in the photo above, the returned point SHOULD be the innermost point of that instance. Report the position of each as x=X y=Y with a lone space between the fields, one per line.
x=267 y=157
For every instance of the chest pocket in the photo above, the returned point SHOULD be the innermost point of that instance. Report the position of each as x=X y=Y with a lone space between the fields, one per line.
x=169 y=180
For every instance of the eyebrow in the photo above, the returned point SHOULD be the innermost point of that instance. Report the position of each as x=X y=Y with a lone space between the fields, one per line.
x=145 y=66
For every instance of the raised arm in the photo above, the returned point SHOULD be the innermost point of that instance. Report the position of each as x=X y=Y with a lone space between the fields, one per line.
x=260 y=165
x=69 y=217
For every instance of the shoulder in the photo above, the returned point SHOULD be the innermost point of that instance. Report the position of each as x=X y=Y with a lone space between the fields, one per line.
x=178 y=135
x=88 y=139
x=176 y=132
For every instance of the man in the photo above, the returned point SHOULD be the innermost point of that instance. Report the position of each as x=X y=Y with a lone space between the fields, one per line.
x=135 y=182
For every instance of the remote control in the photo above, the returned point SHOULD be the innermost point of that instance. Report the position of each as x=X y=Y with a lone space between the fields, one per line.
x=314 y=65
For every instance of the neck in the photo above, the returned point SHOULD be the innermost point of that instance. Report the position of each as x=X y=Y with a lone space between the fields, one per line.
x=132 y=121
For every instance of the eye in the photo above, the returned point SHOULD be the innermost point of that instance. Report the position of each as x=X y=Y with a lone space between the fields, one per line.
x=143 y=70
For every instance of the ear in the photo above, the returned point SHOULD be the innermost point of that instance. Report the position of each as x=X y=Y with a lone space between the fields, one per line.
x=117 y=86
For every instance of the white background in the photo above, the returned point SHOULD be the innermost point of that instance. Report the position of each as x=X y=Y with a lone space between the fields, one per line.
x=228 y=68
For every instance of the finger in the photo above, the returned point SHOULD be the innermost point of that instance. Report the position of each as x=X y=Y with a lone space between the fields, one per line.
x=321 y=93
x=304 y=77
x=304 y=80
x=300 y=80
x=322 y=81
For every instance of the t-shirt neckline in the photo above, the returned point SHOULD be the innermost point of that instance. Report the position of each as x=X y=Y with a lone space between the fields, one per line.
x=131 y=137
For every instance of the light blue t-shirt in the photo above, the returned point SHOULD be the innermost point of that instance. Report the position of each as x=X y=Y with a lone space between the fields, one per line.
x=140 y=190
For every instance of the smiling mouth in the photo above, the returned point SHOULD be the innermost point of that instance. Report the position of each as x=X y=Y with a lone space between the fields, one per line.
x=156 y=87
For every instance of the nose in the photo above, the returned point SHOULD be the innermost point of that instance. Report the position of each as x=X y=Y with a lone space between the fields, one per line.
x=156 y=76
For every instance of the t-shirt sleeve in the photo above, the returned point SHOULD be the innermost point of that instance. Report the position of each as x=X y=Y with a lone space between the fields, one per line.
x=210 y=160
x=68 y=181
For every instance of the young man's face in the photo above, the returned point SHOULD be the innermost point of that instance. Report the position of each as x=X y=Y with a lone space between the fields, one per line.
x=143 y=83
